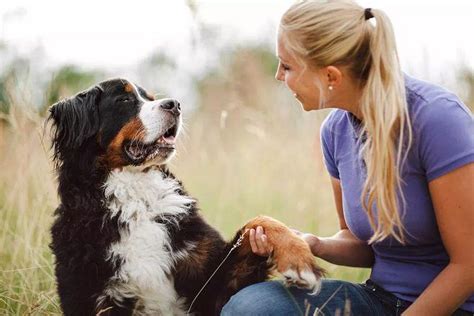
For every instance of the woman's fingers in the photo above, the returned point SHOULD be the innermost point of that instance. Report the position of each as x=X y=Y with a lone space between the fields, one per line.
x=259 y=242
x=253 y=245
x=260 y=246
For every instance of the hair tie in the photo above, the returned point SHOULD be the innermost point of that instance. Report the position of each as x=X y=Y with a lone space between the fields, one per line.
x=368 y=14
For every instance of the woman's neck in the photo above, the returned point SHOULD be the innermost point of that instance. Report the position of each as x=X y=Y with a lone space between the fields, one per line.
x=346 y=96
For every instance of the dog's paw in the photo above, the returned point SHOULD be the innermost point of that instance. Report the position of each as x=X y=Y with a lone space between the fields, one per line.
x=298 y=266
x=306 y=278
x=291 y=255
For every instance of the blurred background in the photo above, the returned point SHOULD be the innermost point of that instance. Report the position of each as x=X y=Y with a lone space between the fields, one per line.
x=247 y=149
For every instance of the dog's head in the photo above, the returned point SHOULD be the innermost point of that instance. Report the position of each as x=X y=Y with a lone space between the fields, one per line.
x=119 y=123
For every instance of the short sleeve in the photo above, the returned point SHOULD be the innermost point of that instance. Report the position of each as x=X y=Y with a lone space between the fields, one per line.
x=446 y=136
x=327 y=145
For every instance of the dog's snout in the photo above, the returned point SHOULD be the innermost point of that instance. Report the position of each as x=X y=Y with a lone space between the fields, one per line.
x=171 y=105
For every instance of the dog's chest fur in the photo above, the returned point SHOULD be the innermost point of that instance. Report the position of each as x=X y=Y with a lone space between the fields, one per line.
x=143 y=202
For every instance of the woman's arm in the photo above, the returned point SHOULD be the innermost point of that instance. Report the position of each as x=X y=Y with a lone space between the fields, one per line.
x=343 y=248
x=453 y=200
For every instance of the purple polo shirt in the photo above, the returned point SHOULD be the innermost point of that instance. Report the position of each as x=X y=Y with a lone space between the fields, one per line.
x=443 y=140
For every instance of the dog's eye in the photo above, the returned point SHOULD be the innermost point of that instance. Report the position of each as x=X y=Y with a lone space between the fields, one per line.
x=125 y=99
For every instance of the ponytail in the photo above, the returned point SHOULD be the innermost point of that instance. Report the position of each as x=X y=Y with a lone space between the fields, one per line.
x=387 y=124
x=340 y=32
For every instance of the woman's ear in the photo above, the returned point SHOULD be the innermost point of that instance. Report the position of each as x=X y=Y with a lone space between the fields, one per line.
x=74 y=120
x=333 y=76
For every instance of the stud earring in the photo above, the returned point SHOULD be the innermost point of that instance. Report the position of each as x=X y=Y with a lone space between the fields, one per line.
x=331 y=88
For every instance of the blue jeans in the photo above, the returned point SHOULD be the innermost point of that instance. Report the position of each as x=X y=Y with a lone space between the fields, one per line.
x=336 y=298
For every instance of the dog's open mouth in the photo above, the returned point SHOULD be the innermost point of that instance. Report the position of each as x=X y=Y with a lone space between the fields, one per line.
x=138 y=151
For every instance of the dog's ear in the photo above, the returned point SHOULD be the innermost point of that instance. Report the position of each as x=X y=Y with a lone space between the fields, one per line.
x=75 y=120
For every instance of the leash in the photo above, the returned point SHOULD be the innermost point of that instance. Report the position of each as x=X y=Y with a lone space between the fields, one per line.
x=237 y=244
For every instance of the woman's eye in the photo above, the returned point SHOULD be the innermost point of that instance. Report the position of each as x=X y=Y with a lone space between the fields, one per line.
x=285 y=67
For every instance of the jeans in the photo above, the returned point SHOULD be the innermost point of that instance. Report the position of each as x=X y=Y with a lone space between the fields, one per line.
x=336 y=298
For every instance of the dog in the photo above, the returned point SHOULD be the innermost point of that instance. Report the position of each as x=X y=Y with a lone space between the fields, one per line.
x=127 y=237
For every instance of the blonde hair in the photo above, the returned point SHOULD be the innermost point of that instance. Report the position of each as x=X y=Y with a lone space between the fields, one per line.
x=337 y=33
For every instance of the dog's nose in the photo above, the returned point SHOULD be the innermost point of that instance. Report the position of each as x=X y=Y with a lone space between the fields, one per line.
x=171 y=105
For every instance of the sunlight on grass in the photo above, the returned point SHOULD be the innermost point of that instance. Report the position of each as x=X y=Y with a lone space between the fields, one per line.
x=234 y=174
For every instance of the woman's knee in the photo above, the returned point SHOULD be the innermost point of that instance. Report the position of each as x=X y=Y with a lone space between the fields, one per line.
x=273 y=298
x=266 y=298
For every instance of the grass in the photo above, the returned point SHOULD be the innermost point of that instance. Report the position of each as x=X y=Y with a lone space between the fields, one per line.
x=249 y=150
x=235 y=175
x=27 y=199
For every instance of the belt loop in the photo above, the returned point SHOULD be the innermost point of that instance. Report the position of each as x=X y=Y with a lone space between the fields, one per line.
x=398 y=311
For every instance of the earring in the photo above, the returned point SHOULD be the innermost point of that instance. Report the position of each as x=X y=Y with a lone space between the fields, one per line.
x=330 y=88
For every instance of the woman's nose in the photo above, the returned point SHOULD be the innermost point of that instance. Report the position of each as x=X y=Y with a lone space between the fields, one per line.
x=278 y=74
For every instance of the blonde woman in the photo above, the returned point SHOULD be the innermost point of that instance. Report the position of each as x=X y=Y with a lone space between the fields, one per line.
x=400 y=153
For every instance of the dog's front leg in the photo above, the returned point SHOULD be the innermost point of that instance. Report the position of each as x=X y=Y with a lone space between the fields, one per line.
x=291 y=255
x=241 y=268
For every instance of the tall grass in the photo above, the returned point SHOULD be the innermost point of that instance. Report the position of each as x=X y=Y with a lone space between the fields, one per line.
x=249 y=150
x=252 y=164
x=27 y=200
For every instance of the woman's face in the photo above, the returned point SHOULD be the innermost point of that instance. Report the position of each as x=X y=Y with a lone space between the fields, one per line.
x=301 y=80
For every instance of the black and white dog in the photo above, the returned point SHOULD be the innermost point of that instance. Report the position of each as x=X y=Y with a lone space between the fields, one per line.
x=127 y=237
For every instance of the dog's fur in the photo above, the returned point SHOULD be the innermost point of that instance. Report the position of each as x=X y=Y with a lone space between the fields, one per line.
x=128 y=239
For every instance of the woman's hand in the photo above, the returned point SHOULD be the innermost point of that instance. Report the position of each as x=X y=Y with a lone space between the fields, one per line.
x=313 y=241
x=259 y=242
x=260 y=246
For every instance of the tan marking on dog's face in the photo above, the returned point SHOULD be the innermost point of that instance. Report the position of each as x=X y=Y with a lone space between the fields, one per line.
x=114 y=157
x=128 y=88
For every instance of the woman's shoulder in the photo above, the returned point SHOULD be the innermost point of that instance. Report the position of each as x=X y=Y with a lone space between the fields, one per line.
x=428 y=101
x=443 y=128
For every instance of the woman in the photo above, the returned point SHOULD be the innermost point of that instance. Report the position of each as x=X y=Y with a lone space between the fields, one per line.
x=400 y=153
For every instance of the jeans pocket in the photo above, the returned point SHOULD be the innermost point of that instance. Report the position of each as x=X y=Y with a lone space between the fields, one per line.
x=392 y=305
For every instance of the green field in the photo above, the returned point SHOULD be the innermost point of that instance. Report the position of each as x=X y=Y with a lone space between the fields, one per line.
x=260 y=168
x=247 y=149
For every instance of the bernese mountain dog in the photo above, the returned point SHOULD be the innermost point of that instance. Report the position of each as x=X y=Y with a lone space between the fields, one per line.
x=127 y=237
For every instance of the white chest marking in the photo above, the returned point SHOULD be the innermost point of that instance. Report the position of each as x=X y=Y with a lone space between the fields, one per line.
x=138 y=198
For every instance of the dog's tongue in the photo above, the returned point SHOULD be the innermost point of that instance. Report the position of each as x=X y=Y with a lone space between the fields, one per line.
x=169 y=140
